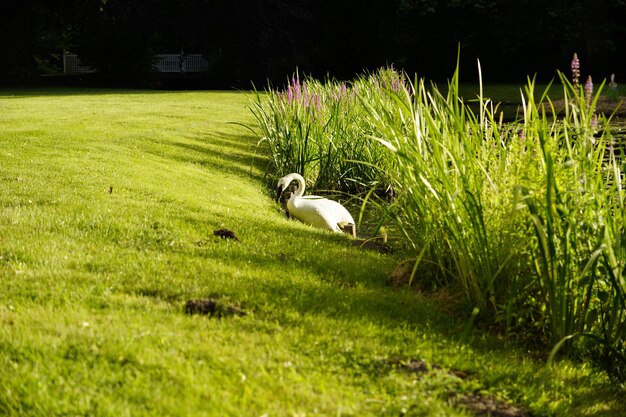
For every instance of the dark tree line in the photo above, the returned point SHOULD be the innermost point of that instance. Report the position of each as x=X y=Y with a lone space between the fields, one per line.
x=257 y=40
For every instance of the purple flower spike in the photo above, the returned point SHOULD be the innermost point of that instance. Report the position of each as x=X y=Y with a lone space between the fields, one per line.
x=295 y=84
x=575 y=70
x=290 y=95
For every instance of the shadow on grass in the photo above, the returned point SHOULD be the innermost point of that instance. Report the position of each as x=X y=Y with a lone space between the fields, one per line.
x=223 y=152
x=321 y=275
x=318 y=273
x=21 y=92
x=62 y=91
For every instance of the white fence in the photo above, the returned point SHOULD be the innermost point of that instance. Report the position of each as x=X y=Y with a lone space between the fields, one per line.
x=166 y=63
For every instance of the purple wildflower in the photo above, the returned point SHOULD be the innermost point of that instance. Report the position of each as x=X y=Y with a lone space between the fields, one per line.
x=575 y=70
x=395 y=84
x=318 y=103
x=305 y=91
x=295 y=82
x=289 y=95
x=613 y=94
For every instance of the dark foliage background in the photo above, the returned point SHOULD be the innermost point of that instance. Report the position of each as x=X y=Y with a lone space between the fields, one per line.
x=265 y=40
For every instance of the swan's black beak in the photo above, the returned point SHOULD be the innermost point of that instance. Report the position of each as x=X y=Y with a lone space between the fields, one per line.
x=279 y=192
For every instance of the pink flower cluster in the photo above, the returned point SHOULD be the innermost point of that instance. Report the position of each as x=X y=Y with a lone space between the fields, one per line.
x=299 y=94
x=391 y=79
x=588 y=89
x=575 y=70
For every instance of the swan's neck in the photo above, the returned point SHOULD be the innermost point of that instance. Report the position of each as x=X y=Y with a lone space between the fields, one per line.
x=300 y=191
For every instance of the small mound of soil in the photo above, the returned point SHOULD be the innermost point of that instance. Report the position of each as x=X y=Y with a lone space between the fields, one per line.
x=420 y=366
x=212 y=308
x=488 y=406
x=401 y=275
x=226 y=234
x=477 y=404
x=425 y=278
x=372 y=244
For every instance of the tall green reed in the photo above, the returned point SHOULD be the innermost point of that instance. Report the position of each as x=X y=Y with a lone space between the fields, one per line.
x=451 y=167
x=519 y=218
x=612 y=294
x=564 y=204
x=578 y=220
x=524 y=220
x=318 y=130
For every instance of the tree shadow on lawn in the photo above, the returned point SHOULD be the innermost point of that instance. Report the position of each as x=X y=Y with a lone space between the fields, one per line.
x=350 y=289
x=346 y=287
x=63 y=91
x=58 y=91
x=243 y=158
x=343 y=282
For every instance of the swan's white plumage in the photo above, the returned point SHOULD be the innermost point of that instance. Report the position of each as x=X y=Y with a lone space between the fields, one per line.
x=314 y=210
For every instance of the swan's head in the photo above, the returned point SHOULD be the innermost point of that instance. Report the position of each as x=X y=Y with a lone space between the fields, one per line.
x=283 y=183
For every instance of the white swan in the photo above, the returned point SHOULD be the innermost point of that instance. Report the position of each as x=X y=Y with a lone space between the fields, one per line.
x=314 y=210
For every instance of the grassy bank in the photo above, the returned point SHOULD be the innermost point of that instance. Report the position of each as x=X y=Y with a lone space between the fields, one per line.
x=108 y=204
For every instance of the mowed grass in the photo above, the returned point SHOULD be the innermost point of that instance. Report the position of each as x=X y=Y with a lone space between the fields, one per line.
x=108 y=203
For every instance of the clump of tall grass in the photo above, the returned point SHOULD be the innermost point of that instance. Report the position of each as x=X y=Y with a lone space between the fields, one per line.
x=318 y=130
x=525 y=220
x=579 y=224
x=451 y=169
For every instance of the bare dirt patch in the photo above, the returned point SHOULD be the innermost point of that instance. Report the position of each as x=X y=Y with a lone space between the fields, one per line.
x=475 y=403
x=482 y=405
x=212 y=308
x=226 y=234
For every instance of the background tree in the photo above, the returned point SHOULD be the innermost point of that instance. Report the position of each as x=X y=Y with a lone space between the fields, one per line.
x=268 y=39
x=117 y=36
x=16 y=41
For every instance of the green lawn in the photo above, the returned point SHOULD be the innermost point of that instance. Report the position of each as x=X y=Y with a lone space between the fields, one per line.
x=108 y=203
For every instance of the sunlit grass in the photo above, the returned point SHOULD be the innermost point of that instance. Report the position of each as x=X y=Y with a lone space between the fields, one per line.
x=108 y=203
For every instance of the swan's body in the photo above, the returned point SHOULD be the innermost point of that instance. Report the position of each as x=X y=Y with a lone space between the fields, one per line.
x=314 y=210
